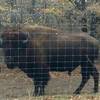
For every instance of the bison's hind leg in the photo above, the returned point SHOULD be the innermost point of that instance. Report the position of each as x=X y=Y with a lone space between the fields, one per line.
x=87 y=69
x=95 y=75
x=85 y=78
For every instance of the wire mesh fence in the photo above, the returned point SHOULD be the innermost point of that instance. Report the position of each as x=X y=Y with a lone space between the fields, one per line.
x=42 y=41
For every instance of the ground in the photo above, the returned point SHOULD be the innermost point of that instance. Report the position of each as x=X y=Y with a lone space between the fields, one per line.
x=15 y=84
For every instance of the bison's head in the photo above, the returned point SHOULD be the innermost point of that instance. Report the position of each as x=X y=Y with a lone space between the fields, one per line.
x=14 y=43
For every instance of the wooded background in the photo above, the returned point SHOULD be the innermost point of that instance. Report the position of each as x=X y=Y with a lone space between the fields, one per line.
x=67 y=15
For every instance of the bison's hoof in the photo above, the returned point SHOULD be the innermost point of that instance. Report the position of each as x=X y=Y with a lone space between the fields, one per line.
x=38 y=94
x=95 y=90
x=76 y=92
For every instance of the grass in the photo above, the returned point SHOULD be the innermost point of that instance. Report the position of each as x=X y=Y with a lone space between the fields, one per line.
x=62 y=97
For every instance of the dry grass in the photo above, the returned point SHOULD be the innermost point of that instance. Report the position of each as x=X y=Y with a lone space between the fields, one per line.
x=17 y=86
x=61 y=97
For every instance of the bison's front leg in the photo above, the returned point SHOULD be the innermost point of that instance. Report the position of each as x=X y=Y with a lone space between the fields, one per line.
x=41 y=90
x=40 y=81
x=38 y=90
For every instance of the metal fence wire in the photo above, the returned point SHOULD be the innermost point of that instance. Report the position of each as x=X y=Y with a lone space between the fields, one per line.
x=47 y=47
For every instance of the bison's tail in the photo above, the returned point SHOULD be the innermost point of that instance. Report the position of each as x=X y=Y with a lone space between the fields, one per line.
x=94 y=56
x=96 y=53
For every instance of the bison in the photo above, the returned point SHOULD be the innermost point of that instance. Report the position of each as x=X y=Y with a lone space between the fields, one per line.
x=40 y=50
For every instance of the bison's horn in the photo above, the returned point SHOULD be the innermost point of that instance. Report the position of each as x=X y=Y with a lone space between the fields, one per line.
x=25 y=41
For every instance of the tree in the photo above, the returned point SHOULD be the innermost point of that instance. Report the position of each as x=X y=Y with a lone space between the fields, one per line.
x=11 y=2
x=80 y=4
x=33 y=4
